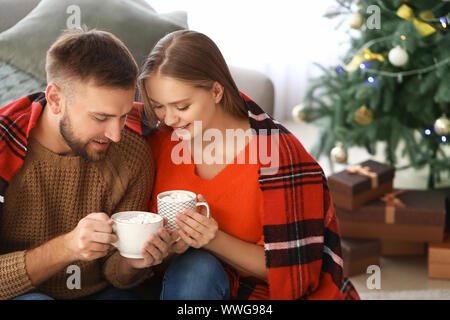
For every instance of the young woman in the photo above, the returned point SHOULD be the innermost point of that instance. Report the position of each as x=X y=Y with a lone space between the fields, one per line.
x=273 y=232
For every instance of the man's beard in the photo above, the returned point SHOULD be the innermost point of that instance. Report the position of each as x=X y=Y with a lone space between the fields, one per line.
x=78 y=147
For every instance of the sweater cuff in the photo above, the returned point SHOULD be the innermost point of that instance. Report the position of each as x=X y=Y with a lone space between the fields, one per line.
x=110 y=271
x=14 y=279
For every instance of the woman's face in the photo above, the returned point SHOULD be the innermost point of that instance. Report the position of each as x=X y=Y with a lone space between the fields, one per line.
x=178 y=104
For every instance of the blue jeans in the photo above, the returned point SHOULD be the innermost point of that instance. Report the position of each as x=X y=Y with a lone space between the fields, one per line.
x=109 y=293
x=33 y=296
x=195 y=275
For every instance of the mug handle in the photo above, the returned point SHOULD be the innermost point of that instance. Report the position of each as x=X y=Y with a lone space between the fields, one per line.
x=115 y=244
x=204 y=203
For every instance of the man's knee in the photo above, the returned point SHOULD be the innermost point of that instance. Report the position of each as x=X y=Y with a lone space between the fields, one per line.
x=196 y=274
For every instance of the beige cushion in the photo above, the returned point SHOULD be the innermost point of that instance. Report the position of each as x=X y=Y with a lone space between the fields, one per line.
x=256 y=85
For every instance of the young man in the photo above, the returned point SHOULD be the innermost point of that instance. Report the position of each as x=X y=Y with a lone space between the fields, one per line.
x=67 y=163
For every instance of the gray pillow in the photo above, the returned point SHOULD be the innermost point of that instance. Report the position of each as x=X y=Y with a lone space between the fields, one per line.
x=25 y=44
x=14 y=84
x=11 y=11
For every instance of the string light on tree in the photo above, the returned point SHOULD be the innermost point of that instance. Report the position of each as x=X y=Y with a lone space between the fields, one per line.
x=371 y=81
x=364 y=65
x=443 y=22
x=398 y=56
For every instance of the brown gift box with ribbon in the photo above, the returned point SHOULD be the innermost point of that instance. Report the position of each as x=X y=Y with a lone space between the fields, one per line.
x=358 y=254
x=412 y=215
x=402 y=248
x=359 y=184
x=439 y=259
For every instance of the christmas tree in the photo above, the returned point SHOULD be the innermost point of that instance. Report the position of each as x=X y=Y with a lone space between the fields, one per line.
x=393 y=85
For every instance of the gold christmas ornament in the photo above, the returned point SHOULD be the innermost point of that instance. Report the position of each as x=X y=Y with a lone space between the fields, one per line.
x=338 y=154
x=363 y=116
x=355 y=20
x=298 y=114
x=442 y=125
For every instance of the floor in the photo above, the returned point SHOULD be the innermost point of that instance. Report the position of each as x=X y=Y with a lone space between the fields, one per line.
x=401 y=277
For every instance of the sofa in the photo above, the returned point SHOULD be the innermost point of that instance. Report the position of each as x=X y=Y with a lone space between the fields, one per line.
x=15 y=83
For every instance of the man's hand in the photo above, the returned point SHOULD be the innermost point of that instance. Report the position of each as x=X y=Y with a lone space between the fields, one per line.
x=155 y=250
x=91 y=238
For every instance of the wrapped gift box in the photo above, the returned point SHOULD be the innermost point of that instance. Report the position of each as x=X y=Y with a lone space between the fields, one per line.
x=439 y=259
x=446 y=193
x=420 y=219
x=402 y=248
x=352 y=190
x=358 y=254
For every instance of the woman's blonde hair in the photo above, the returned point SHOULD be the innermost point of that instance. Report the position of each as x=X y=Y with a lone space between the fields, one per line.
x=194 y=58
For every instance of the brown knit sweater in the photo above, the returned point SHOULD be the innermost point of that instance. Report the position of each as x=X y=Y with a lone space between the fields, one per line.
x=52 y=193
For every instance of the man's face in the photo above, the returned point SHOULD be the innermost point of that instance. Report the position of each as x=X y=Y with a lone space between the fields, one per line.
x=93 y=117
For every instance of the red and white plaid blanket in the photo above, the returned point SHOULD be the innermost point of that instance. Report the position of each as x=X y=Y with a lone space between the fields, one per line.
x=302 y=242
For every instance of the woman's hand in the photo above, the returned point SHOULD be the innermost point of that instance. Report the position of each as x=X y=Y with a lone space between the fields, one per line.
x=196 y=230
x=178 y=246
x=155 y=250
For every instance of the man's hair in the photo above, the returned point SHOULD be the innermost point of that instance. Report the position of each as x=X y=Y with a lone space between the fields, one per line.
x=93 y=55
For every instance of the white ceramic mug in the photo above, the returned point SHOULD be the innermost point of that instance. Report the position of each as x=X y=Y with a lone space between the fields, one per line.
x=132 y=236
x=169 y=208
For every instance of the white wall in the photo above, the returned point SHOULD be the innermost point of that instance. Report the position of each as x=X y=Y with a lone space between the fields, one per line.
x=280 y=38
